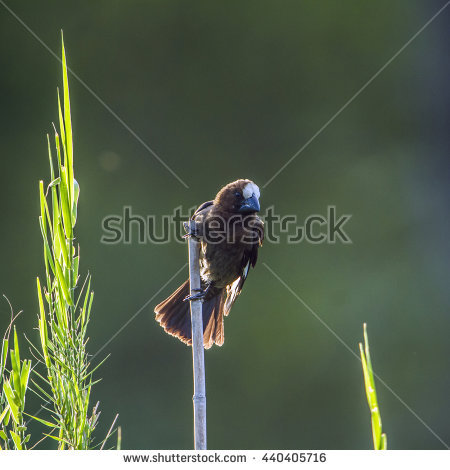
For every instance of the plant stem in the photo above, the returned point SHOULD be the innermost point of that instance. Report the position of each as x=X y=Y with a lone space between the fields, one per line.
x=198 y=356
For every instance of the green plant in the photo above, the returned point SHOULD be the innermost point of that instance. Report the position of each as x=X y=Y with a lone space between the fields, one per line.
x=13 y=388
x=64 y=313
x=379 y=438
x=64 y=306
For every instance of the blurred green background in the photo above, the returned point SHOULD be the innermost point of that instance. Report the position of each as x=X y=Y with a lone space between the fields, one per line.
x=228 y=90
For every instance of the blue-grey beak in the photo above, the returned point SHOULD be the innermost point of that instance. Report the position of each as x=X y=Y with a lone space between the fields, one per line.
x=250 y=205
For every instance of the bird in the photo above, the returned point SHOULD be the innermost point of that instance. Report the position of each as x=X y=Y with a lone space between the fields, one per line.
x=230 y=233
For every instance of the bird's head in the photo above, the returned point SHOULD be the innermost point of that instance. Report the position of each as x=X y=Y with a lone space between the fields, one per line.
x=241 y=196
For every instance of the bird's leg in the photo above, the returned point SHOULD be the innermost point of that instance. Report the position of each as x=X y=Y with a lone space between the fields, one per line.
x=201 y=293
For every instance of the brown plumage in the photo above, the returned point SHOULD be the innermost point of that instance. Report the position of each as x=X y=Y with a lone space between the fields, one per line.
x=230 y=233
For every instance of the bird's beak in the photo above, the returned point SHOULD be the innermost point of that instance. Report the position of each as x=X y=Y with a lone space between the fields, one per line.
x=250 y=205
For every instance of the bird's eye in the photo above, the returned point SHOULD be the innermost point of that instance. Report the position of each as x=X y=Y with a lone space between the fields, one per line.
x=237 y=194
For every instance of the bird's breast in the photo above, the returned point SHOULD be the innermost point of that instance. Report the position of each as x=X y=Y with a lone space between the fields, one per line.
x=221 y=263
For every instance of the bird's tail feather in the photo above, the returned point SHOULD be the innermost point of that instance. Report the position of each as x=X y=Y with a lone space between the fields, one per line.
x=174 y=316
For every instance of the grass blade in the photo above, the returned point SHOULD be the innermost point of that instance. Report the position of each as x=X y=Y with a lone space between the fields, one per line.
x=379 y=438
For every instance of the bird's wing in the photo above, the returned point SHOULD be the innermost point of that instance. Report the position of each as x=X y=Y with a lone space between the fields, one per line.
x=199 y=217
x=202 y=208
x=249 y=259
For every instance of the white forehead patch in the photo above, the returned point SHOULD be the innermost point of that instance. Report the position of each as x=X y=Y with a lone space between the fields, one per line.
x=249 y=190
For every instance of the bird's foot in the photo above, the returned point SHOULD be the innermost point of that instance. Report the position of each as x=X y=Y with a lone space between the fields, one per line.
x=199 y=296
x=190 y=232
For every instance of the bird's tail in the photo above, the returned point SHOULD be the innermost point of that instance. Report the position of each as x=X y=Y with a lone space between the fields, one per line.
x=174 y=316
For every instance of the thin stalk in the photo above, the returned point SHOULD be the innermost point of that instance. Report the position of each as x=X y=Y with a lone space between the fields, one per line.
x=198 y=356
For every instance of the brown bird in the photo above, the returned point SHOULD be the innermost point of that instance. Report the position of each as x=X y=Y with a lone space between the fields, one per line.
x=230 y=233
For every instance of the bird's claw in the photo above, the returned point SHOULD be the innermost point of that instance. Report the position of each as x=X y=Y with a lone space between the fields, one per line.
x=199 y=296
x=189 y=231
